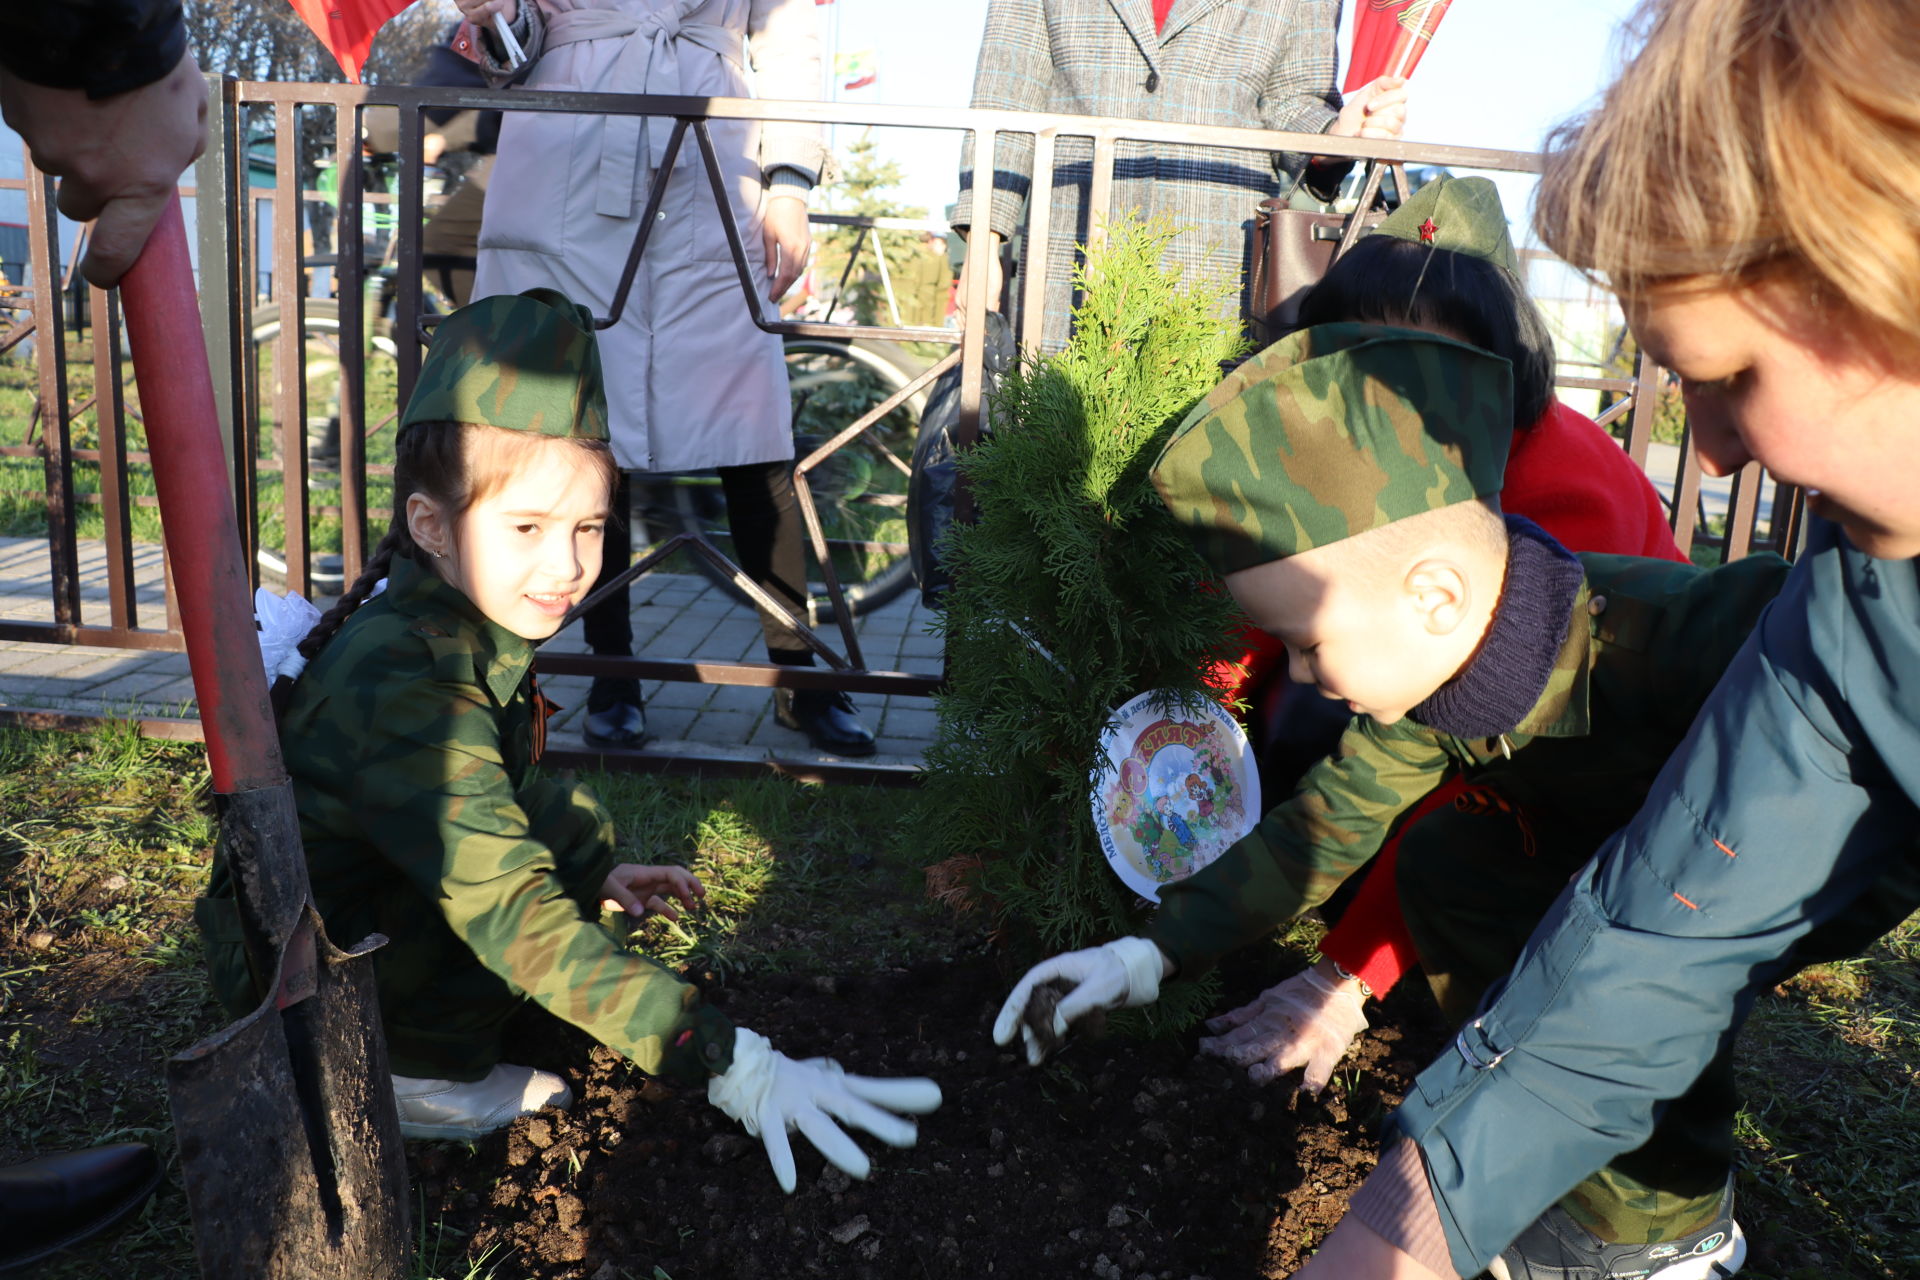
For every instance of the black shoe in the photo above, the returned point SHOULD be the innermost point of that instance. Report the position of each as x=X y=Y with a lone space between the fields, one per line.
x=827 y=717
x=615 y=715
x=59 y=1200
x=1556 y=1247
x=623 y=724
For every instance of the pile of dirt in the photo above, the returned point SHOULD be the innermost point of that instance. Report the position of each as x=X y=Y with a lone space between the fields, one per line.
x=1126 y=1160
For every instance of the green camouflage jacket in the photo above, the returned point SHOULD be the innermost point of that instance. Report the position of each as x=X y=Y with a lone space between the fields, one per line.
x=410 y=742
x=1648 y=641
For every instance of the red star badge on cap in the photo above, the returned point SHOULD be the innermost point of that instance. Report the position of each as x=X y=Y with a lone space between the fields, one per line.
x=1427 y=230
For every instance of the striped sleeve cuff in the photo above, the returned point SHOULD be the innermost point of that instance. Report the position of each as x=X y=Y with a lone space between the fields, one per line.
x=785 y=180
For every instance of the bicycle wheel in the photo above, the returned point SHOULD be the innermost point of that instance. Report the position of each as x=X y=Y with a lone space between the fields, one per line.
x=321 y=356
x=860 y=491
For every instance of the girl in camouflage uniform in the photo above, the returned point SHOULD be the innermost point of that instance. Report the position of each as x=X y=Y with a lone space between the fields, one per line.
x=412 y=737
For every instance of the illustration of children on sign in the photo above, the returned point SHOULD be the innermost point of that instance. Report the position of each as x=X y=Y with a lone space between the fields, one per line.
x=1171 y=806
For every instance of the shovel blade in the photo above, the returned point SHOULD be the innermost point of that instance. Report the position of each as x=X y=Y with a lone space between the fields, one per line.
x=289 y=1138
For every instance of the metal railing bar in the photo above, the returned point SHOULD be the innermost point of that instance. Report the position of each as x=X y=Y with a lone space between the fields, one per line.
x=1033 y=264
x=1743 y=511
x=697 y=545
x=1100 y=193
x=879 y=411
x=656 y=194
x=1686 y=492
x=1646 y=407
x=290 y=357
x=43 y=246
x=171 y=641
x=752 y=674
x=122 y=608
x=350 y=272
x=816 y=534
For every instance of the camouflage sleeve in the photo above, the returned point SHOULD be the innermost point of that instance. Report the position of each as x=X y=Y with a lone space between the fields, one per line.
x=438 y=801
x=1302 y=850
x=578 y=831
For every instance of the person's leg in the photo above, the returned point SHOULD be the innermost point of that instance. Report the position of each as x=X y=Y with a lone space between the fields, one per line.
x=1473 y=884
x=769 y=543
x=1673 y=1185
x=615 y=713
x=444 y=1014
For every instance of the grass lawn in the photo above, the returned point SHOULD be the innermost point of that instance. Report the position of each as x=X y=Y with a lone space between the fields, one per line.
x=103 y=846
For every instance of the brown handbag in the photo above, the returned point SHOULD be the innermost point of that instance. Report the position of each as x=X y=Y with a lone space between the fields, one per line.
x=1293 y=248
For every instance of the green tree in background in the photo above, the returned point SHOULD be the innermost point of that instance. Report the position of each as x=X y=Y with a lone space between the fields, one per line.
x=918 y=270
x=1074 y=592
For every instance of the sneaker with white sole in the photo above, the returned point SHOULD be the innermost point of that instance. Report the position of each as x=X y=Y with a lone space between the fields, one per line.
x=1556 y=1247
x=467 y=1109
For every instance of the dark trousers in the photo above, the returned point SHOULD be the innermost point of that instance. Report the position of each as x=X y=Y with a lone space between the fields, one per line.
x=769 y=544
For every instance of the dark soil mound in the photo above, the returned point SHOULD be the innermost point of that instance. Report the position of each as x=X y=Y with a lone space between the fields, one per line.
x=1126 y=1159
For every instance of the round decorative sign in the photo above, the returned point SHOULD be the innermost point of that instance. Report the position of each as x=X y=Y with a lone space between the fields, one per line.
x=1177 y=789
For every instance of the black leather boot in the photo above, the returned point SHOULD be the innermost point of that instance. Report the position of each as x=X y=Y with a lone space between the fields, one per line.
x=61 y=1199
x=827 y=717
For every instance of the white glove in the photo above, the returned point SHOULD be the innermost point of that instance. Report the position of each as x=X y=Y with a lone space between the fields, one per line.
x=282 y=623
x=770 y=1093
x=1121 y=974
x=1306 y=1021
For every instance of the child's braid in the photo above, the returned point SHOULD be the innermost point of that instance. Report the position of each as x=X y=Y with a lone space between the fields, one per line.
x=427 y=459
x=398 y=539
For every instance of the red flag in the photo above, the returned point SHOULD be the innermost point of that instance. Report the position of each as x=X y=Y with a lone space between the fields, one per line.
x=347 y=27
x=1389 y=36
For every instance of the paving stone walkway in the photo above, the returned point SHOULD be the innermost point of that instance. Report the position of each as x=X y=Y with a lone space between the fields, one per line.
x=675 y=615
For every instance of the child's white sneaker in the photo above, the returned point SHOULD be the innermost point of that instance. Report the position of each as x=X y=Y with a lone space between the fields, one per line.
x=470 y=1108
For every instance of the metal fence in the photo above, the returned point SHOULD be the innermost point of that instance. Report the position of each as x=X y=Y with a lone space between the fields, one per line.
x=247 y=234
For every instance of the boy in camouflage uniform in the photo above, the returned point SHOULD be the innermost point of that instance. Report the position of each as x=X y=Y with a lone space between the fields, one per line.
x=1344 y=483
x=412 y=737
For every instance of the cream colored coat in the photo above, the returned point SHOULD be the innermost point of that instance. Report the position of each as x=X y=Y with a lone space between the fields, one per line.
x=691 y=381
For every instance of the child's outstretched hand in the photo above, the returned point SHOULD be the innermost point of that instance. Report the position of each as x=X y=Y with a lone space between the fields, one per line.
x=638 y=890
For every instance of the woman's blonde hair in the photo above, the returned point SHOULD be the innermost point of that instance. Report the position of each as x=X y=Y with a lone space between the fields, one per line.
x=1749 y=141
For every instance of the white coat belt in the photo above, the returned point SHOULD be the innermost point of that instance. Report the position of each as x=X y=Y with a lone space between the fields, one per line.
x=652 y=62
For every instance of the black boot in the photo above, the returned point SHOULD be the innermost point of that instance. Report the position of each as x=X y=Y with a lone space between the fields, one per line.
x=615 y=714
x=61 y=1199
x=827 y=717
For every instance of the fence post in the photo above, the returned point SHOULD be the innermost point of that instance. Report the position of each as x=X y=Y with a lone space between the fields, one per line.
x=220 y=186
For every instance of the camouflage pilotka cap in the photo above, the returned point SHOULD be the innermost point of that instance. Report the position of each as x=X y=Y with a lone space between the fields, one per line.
x=526 y=362
x=1333 y=431
x=1461 y=214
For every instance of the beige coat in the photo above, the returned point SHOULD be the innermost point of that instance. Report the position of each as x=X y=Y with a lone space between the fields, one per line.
x=691 y=382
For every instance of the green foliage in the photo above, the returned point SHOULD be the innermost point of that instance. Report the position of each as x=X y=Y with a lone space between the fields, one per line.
x=1670 y=412
x=865 y=189
x=1074 y=592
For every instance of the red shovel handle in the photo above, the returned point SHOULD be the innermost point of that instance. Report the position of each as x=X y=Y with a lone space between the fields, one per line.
x=196 y=511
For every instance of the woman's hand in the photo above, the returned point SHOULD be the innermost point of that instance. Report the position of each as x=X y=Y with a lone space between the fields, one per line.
x=788 y=242
x=480 y=12
x=989 y=255
x=638 y=890
x=1377 y=109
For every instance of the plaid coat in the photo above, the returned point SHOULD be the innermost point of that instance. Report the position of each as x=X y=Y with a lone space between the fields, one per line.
x=1250 y=63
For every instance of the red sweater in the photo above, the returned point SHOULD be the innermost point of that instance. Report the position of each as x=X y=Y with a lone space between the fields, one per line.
x=1572 y=479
